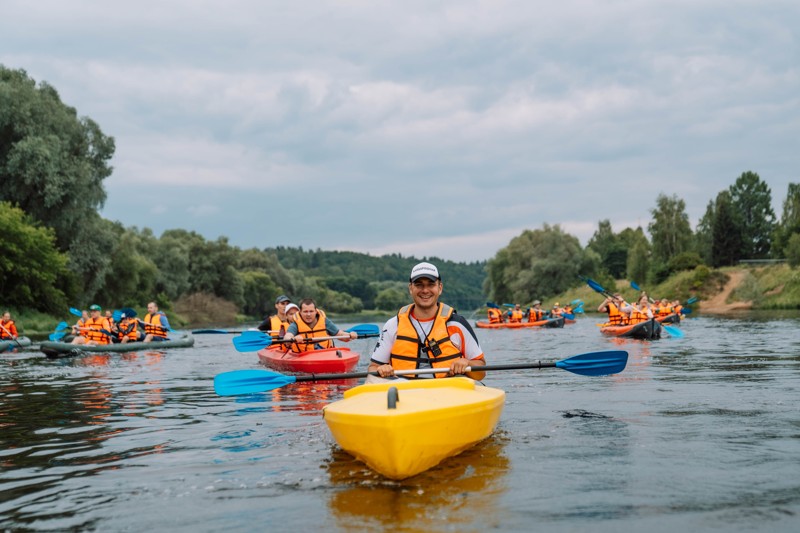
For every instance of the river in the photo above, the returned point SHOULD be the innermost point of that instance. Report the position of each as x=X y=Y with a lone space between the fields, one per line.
x=699 y=433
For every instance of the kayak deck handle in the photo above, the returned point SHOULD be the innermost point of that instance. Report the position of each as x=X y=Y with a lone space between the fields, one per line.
x=392 y=397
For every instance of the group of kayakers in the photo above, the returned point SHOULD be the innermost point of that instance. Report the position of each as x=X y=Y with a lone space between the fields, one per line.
x=300 y=328
x=424 y=334
x=534 y=313
x=622 y=313
x=97 y=328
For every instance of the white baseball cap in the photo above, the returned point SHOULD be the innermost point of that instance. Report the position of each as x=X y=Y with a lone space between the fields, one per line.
x=424 y=270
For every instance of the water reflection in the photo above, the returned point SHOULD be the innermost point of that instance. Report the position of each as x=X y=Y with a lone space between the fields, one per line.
x=456 y=495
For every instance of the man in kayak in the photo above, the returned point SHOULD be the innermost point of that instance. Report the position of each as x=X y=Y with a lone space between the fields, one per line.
x=494 y=314
x=277 y=324
x=515 y=315
x=95 y=330
x=156 y=324
x=8 y=330
x=535 y=313
x=427 y=333
x=309 y=325
x=613 y=306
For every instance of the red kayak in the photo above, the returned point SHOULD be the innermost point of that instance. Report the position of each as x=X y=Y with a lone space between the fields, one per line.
x=328 y=360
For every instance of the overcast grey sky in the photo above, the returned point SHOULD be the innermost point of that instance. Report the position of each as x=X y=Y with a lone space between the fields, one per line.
x=419 y=127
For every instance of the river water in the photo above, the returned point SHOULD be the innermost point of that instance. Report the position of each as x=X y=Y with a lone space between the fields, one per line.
x=700 y=433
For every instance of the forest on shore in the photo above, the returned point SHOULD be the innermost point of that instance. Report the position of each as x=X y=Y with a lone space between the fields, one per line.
x=58 y=252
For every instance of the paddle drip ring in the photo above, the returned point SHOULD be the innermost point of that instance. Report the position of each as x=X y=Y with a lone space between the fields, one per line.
x=393 y=397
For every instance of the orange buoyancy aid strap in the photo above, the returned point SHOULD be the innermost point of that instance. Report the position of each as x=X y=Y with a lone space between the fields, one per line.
x=153 y=326
x=278 y=327
x=438 y=346
x=128 y=327
x=304 y=331
x=495 y=315
x=535 y=315
x=9 y=330
x=94 y=330
x=614 y=316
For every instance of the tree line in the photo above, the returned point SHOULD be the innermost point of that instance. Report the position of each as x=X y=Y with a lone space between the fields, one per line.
x=57 y=251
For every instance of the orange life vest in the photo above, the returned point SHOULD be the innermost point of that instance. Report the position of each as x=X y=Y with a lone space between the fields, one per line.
x=495 y=315
x=535 y=315
x=438 y=345
x=515 y=315
x=615 y=318
x=304 y=331
x=638 y=316
x=153 y=326
x=93 y=332
x=278 y=327
x=133 y=334
x=10 y=330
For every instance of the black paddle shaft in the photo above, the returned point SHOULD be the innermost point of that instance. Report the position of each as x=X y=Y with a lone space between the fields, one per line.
x=486 y=368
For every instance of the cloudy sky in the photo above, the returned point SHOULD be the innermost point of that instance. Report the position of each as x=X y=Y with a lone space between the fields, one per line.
x=419 y=127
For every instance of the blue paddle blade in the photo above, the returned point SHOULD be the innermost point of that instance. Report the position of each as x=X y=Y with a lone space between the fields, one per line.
x=365 y=329
x=635 y=287
x=251 y=341
x=672 y=330
x=492 y=305
x=116 y=315
x=691 y=300
x=61 y=325
x=576 y=302
x=249 y=382
x=578 y=309
x=596 y=363
x=76 y=312
x=568 y=316
x=595 y=286
x=686 y=311
x=57 y=336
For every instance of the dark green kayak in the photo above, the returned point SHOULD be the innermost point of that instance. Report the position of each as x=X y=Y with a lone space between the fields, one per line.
x=55 y=350
x=19 y=342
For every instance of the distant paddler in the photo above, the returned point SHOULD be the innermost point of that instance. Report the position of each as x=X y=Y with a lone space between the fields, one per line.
x=156 y=324
x=95 y=330
x=311 y=323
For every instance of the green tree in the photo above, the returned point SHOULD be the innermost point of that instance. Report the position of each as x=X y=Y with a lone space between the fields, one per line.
x=752 y=200
x=611 y=248
x=670 y=230
x=793 y=250
x=52 y=163
x=30 y=264
x=726 y=243
x=704 y=234
x=535 y=265
x=790 y=219
x=639 y=260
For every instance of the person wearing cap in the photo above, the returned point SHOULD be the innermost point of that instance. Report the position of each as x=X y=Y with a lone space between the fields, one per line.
x=535 y=313
x=95 y=330
x=291 y=310
x=278 y=323
x=495 y=314
x=427 y=334
x=556 y=311
x=613 y=306
x=128 y=327
x=309 y=324
x=156 y=324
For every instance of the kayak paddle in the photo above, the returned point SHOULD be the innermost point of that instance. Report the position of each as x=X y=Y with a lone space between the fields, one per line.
x=252 y=341
x=251 y=381
x=76 y=312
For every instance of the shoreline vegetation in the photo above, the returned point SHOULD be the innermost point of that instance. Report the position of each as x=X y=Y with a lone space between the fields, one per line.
x=723 y=291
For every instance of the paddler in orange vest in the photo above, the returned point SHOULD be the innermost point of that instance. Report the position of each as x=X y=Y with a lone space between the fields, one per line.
x=95 y=330
x=495 y=314
x=640 y=311
x=277 y=324
x=128 y=327
x=515 y=315
x=427 y=334
x=535 y=313
x=311 y=323
x=156 y=324
x=557 y=311
x=613 y=306
x=8 y=330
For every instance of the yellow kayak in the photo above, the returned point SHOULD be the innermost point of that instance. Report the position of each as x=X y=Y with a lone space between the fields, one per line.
x=402 y=428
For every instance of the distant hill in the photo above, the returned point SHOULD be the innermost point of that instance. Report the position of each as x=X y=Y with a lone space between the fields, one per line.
x=361 y=274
